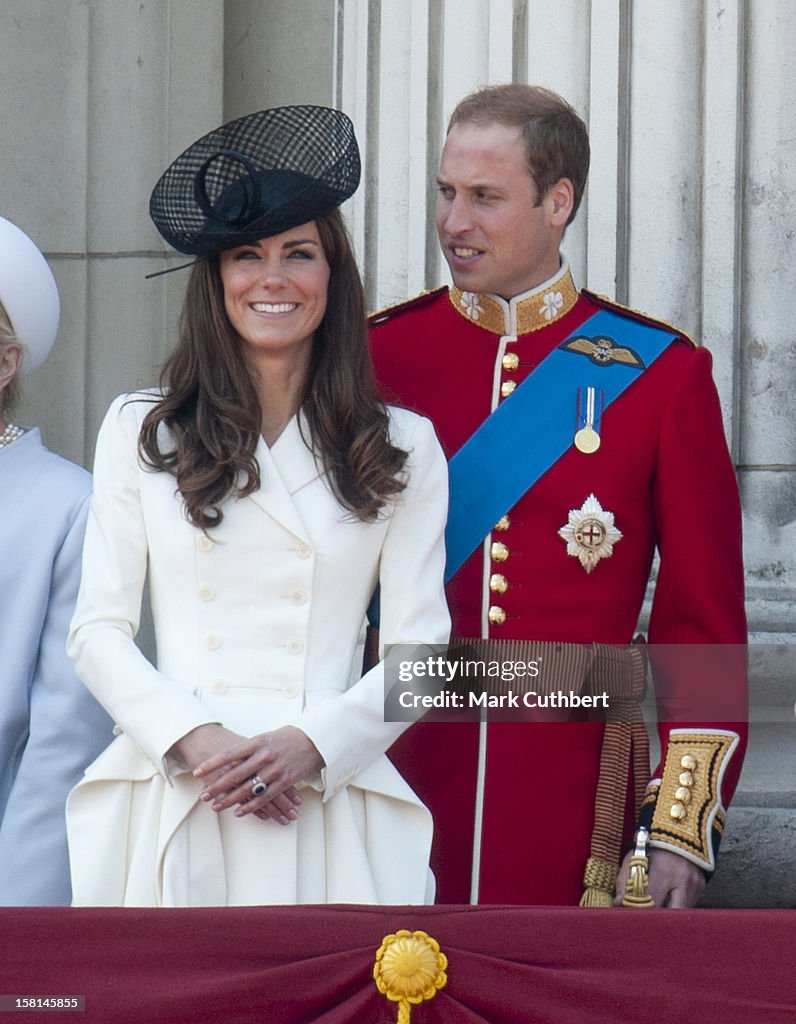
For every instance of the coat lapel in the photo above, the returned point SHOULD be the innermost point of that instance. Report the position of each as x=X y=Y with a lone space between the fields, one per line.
x=285 y=468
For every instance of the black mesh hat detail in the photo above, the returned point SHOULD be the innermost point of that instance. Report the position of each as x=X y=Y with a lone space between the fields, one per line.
x=255 y=177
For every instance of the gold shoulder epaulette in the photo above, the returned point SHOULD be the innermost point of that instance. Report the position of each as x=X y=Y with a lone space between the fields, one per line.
x=637 y=314
x=417 y=300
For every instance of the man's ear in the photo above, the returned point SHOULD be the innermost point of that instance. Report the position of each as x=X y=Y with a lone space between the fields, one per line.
x=561 y=199
x=10 y=362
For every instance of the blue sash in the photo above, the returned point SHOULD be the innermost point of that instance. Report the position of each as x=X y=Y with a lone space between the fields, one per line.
x=528 y=432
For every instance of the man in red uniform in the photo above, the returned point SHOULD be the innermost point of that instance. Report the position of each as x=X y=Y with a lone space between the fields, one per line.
x=538 y=812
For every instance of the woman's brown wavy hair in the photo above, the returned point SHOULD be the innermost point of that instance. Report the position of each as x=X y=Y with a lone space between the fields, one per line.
x=213 y=414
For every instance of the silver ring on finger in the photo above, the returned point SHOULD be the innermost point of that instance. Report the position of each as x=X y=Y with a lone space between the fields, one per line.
x=258 y=787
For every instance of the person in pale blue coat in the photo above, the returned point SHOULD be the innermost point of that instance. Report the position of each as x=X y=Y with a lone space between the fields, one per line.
x=50 y=726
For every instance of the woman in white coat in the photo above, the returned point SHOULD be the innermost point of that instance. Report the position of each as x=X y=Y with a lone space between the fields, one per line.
x=265 y=491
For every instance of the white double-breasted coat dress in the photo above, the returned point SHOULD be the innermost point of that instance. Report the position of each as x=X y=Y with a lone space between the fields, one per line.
x=257 y=625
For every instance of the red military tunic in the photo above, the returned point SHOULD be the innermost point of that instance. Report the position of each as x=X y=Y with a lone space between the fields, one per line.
x=514 y=811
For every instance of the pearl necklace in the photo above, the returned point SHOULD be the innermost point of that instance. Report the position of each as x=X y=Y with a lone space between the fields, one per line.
x=10 y=434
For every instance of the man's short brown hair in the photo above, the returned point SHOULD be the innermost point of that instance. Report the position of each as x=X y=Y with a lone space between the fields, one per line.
x=556 y=139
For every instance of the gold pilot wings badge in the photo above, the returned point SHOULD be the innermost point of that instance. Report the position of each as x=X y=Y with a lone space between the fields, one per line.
x=590 y=533
x=603 y=351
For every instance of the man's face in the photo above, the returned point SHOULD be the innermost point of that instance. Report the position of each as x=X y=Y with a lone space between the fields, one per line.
x=495 y=233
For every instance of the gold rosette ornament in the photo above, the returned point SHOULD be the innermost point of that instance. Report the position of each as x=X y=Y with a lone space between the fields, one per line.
x=409 y=969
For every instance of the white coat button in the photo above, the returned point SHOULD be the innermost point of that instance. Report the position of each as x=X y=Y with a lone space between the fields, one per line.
x=304 y=551
x=204 y=543
x=218 y=686
x=298 y=595
x=117 y=730
x=290 y=690
x=212 y=642
x=294 y=645
x=207 y=592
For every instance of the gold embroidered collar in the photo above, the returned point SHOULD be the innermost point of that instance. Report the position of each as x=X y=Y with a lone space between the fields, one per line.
x=527 y=312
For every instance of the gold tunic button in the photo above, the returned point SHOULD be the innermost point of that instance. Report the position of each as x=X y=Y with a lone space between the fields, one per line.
x=688 y=762
x=685 y=779
x=683 y=794
x=677 y=812
x=496 y=615
x=511 y=361
x=502 y=524
x=498 y=584
x=507 y=387
x=498 y=551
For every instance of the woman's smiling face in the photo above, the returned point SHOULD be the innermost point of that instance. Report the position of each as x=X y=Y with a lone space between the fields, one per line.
x=275 y=290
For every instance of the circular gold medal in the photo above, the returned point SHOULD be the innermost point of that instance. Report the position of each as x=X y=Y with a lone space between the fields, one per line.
x=587 y=440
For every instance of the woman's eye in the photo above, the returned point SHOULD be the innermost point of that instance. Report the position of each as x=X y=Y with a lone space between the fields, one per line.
x=247 y=254
x=301 y=254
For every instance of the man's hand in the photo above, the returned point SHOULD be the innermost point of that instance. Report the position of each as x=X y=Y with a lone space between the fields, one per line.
x=673 y=880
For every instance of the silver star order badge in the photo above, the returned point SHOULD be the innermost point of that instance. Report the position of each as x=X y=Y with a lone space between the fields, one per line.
x=590 y=533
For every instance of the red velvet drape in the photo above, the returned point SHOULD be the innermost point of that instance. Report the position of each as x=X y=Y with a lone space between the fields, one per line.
x=313 y=965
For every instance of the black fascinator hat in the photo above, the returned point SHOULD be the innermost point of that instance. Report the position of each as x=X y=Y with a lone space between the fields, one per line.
x=255 y=177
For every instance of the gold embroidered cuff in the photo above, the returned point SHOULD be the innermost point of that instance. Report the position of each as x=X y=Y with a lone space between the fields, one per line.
x=688 y=817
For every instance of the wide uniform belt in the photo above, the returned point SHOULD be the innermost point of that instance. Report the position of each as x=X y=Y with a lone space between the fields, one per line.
x=619 y=671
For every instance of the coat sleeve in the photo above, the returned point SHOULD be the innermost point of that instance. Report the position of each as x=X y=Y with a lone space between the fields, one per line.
x=697 y=626
x=154 y=710
x=66 y=731
x=350 y=731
